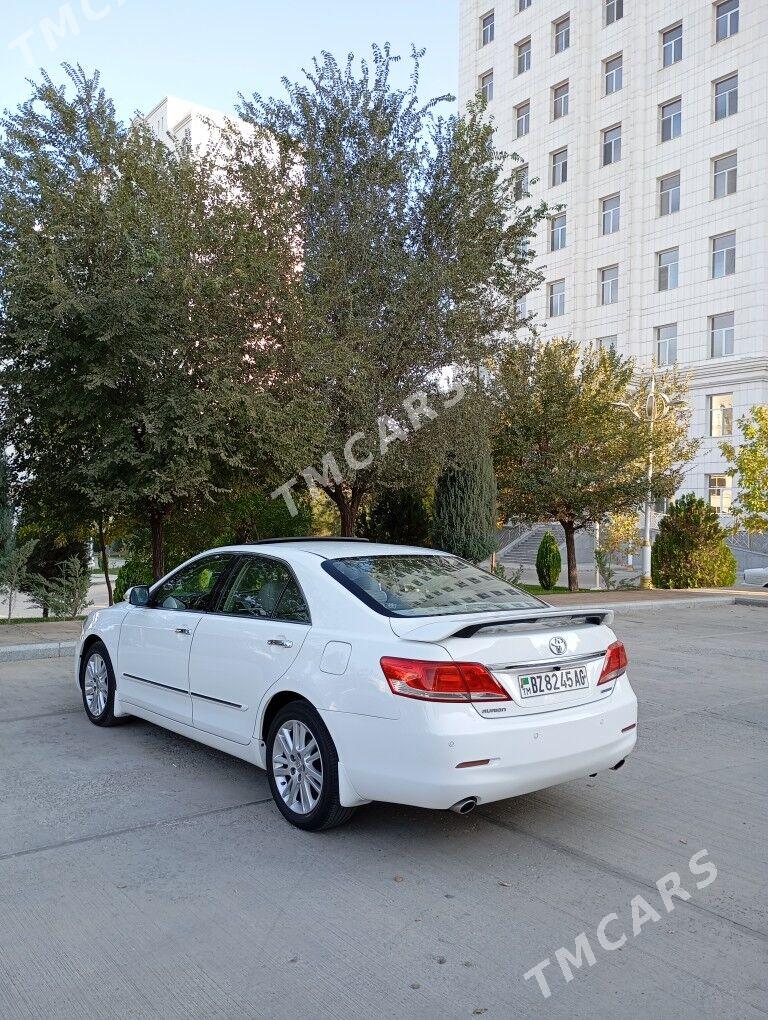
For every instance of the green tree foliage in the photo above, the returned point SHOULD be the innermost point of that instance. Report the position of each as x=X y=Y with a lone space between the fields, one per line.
x=464 y=518
x=396 y=515
x=65 y=594
x=14 y=570
x=689 y=550
x=565 y=451
x=44 y=565
x=548 y=561
x=749 y=465
x=413 y=255
x=134 y=571
x=146 y=296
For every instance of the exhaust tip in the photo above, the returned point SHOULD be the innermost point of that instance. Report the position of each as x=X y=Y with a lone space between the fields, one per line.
x=618 y=764
x=463 y=807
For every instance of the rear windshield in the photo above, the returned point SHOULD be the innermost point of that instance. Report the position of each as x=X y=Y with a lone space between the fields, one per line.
x=426 y=585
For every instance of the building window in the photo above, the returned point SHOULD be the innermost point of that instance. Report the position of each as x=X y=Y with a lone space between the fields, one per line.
x=614 y=10
x=669 y=194
x=557 y=232
x=521 y=182
x=523 y=5
x=723 y=255
x=614 y=74
x=562 y=29
x=607 y=343
x=671 y=46
x=523 y=119
x=612 y=145
x=720 y=492
x=609 y=285
x=726 y=19
x=666 y=344
x=487 y=28
x=727 y=97
x=721 y=335
x=523 y=56
x=557 y=298
x=610 y=214
x=560 y=101
x=666 y=269
x=671 y=120
x=559 y=167
x=724 y=175
x=720 y=414
x=486 y=86
x=521 y=307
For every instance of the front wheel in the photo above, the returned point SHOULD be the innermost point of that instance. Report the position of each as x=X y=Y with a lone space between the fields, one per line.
x=302 y=768
x=97 y=682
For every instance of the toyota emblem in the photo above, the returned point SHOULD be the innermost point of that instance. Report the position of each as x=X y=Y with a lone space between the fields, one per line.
x=558 y=646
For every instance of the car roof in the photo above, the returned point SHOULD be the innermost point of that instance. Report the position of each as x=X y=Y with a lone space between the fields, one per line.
x=332 y=548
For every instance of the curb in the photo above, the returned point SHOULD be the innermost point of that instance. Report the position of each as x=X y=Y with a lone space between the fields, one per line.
x=44 y=650
x=705 y=600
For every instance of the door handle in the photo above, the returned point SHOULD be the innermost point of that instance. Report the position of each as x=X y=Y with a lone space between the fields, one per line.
x=281 y=642
x=182 y=630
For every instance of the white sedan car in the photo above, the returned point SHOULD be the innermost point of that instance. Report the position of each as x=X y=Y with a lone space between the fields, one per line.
x=355 y=672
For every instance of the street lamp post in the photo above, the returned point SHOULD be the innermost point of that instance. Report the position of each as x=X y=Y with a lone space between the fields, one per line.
x=657 y=406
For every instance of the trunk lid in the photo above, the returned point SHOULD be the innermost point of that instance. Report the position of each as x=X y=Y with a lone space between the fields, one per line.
x=549 y=642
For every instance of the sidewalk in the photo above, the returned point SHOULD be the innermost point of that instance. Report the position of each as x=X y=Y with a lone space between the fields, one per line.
x=54 y=640
x=660 y=597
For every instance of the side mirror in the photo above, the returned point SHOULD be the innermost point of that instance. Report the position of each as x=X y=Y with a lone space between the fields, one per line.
x=138 y=595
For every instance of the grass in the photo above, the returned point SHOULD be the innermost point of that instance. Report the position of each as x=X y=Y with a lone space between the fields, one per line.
x=37 y=619
x=536 y=589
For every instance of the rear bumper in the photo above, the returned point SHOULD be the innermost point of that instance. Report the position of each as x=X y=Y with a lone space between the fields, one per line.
x=413 y=759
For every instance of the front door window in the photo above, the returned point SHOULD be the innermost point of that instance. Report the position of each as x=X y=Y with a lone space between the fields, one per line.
x=191 y=587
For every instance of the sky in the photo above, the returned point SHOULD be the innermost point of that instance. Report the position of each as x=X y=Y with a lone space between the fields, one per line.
x=207 y=51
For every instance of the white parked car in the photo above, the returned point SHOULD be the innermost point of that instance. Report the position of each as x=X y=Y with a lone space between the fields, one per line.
x=757 y=576
x=355 y=672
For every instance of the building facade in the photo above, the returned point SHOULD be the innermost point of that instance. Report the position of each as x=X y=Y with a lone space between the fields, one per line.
x=177 y=121
x=648 y=122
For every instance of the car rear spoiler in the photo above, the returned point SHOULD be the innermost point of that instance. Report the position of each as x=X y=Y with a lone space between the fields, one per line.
x=468 y=624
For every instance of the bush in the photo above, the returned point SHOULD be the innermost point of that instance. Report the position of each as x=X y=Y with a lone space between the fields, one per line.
x=66 y=594
x=464 y=520
x=548 y=562
x=133 y=571
x=689 y=550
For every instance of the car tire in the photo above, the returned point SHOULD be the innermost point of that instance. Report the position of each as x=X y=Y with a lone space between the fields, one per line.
x=97 y=685
x=303 y=769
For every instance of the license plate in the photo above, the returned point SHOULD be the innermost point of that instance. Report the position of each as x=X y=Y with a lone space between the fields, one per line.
x=560 y=681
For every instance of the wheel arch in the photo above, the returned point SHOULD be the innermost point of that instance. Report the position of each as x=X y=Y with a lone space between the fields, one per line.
x=89 y=642
x=278 y=700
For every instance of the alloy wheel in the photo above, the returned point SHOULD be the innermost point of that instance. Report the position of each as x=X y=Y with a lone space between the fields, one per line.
x=96 y=684
x=297 y=766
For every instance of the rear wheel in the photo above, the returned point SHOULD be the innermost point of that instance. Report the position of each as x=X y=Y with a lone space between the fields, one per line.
x=97 y=682
x=302 y=767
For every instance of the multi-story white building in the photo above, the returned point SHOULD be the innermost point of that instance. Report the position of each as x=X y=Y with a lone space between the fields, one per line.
x=648 y=121
x=175 y=120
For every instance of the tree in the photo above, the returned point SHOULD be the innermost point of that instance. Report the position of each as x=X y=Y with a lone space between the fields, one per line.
x=413 y=255
x=146 y=294
x=464 y=518
x=565 y=451
x=66 y=594
x=397 y=515
x=689 y=550
x=618 y=537
x=749 y=464
x=44 y=564
x=548 y=562
x=14 y=570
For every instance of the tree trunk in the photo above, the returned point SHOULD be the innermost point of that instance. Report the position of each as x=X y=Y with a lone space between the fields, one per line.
x=46 y=610
x=157 y=526
x=570 y=550
x=348 y=507
x=103 y=555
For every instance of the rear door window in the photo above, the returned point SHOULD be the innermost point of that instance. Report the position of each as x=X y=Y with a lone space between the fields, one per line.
x=266 y=589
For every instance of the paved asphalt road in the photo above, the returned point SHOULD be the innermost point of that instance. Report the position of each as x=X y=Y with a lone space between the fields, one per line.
x=142 y=875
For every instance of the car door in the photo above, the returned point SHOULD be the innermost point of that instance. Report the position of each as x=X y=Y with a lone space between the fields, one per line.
x=245 y=645
x=153 y=655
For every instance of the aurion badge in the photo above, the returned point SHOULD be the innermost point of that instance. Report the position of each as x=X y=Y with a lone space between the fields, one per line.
x=558 y=646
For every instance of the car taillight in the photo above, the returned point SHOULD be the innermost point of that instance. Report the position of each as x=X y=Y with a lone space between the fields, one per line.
x=615 y=663
x=442 y=681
